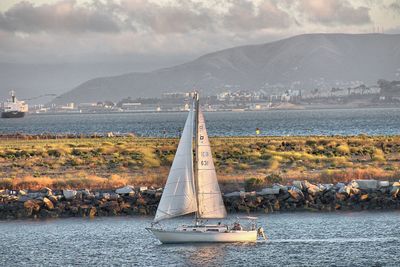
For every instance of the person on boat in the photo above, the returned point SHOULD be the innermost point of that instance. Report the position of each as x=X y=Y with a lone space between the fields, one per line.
x=237 y=227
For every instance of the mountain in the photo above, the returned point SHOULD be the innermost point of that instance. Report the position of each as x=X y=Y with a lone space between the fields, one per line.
x=303 y=62
x=35 y=81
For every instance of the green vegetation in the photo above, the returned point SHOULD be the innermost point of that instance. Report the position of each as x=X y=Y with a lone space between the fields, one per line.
x=113 y=162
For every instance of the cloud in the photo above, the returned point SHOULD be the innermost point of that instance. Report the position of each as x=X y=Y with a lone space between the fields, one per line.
x=246 y=15
x=334 y=12
x=181 y=17
x=85 y=30
x=143 y=16
x=164 y=18
x=63 y=16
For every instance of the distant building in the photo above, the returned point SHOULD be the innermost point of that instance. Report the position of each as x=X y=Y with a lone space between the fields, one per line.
x=131 y=106
x=223 y=96
x=175 y=95
x=68 y=106
x=87 y=105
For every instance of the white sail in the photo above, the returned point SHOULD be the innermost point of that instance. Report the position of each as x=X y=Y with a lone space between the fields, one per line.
x=210 y=204
x=179 y=197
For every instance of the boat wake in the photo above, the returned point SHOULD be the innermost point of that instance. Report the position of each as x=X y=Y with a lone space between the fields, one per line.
x=332 y=240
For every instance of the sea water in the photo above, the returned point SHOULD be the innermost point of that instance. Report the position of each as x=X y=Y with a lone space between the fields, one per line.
x=294 y=239
x=377 y=121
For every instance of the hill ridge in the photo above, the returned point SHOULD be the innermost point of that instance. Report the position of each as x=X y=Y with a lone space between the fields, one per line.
x=300 y=62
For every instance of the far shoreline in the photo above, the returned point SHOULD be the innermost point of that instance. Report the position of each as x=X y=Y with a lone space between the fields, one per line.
x=305 y=108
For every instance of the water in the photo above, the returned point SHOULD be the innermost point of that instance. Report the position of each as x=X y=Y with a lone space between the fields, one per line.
x=295 y=239
x=380 y=121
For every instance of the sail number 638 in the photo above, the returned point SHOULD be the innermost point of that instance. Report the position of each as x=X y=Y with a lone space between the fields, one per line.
x=204 y=163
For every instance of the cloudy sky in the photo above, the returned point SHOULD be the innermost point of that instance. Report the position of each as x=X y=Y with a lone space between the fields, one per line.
x=51 y=31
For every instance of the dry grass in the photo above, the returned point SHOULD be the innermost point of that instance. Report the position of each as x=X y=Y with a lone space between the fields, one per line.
x=114 y=162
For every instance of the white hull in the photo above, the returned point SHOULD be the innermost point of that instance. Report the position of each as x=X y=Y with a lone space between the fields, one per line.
x=176 y=236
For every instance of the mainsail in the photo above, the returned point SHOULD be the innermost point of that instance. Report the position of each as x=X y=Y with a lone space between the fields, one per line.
x=210 y=203
x=179 y=197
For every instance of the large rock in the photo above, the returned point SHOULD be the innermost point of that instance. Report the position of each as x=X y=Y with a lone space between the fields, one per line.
x=112 y=207
x=48 y=204
x=69 y=194
x=4 y=192
x=339 y=186
x=364 y=184
x=48 y=214
x=129 y=189
x=23 y=198
x=114 y=196
x=276 y=206
x=395 y=191
x=340 y=196
x=250 y=194
x=142 y=188
x=105 y=196
x=323 y=187
x=349 y=190
x=298 y=184
x=31 y=206
x=396 y=184
x=383 y=184
x=85 y=193
x=125 y=207
x=233 y=194
x=22 y=192
x=311 y=188
x=296 y=193
x=270 y=191
x=34 y=195
x=46 y=191
x=92 y=212
x=53 y=199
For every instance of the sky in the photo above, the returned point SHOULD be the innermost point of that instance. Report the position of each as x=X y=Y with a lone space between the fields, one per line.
x=150 y=34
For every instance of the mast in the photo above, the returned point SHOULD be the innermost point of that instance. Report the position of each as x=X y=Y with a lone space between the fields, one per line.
x=196 y=149
x=12 y=96
x=209 y=200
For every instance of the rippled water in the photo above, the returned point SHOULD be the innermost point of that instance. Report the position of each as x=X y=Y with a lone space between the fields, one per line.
x=295 y=239
x=275 y=122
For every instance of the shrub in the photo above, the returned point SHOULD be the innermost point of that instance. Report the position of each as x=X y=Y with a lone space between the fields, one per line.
x=243 y=166
x=54 y=153
x=253 y=184
x=311 y=142
x=378 y=155
x=343 y=149
x=273 y=178
x=6 y=183
x=274 y=162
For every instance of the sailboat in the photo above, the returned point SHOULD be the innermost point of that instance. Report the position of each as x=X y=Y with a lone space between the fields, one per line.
x=192 y=187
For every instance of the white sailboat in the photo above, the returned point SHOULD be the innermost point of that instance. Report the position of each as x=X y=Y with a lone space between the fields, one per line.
x=192 y=187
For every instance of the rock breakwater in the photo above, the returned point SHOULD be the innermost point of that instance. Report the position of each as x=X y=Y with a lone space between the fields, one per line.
x=298 y=196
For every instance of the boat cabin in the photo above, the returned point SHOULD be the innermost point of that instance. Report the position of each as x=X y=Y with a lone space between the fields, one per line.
x=204 y=228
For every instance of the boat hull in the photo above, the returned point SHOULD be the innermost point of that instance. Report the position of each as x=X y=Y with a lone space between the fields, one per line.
x=176 y=237
x=12 y=114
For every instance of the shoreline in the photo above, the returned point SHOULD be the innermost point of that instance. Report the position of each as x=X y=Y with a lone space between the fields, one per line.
x=83 y=177
x=301 y=196
x=295 y=107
